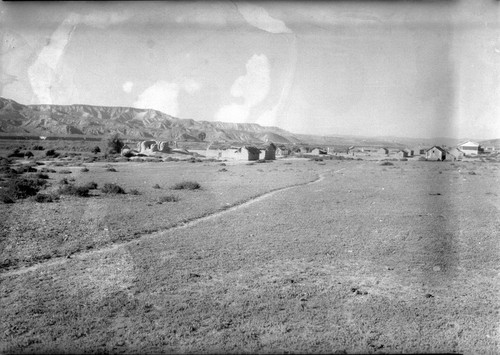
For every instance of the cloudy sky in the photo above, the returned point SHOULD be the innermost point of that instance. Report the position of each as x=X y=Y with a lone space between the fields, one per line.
x=374 y=68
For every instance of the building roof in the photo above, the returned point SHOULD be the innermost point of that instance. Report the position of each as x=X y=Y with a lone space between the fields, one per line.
x=252 y=149
x=469 y=143
x=437 y=147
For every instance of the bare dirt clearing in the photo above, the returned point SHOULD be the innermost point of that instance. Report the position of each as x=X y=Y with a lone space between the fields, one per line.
x=370 y=258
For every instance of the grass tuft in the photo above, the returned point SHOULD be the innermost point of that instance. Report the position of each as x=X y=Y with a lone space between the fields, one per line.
x=186 y=185
x=168 y=198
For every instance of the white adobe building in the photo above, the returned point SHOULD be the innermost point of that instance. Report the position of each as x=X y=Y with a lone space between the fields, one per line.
x=469 y=148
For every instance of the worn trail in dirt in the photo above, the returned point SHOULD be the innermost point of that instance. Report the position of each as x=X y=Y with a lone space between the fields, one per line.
x=190 y=223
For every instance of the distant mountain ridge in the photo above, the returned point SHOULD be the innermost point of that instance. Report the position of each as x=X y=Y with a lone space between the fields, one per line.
x=77 y=119
x=102 y=121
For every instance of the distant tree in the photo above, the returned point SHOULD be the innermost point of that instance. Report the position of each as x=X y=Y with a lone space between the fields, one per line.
x=115 y=144
x=96 y=149
x=202 y=136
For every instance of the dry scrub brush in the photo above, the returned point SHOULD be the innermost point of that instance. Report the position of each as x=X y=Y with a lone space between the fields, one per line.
x=186 y=185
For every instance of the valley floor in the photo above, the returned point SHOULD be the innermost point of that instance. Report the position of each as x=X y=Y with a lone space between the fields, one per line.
x=334 y=256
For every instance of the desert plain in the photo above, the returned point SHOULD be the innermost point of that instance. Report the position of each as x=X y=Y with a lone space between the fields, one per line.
x=290 y=256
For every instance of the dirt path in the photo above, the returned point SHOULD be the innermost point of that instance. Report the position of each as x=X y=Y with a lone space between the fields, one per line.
x=188 y=224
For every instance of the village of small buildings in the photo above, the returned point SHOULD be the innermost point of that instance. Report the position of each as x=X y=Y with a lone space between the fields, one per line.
x=273 y=151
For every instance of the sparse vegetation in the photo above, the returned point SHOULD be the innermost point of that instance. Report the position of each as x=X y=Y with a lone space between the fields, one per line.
x=16 y=154
x=51 y=153
x=84 y=170
x=73 y=190
x=64 y=171
x=186 y=185
x=386 y=163
x=134 y=192
x=168 y=198
x=110 y=188
x=39 y=175
x=266 y=277
x=45 y=198
x=63 y=181
x=156 y=186
x=96 y=150
x=22 y=187
x=91 y=185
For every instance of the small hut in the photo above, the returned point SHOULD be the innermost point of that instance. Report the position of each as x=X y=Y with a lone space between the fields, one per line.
x=270 y=152
x=435 y=153
x=455 y=154
x=252 y=152
x=318 y=151
x=384 y=151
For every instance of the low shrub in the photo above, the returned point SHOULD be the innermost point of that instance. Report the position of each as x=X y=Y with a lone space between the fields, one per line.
x=38 y=176
x=8 y=172
x=171 y=159
x=73 y=190
x=84 y=170
x=5 y=198
x=186 y=185
x=24 y=187
x=28 y=154
x=91 y=185
x=63 y=181
x=16 y=154
x=110 y=188
x=38 y=147
x=386 y=163
x=134 y=192
x=156 y=186
x=64 y=171
x=25 y=169
x=44 y=198
x=58 y=163
x=51 y=153
x=168 y=198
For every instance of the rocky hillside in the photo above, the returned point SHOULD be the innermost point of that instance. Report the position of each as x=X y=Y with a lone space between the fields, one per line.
x=64 y=120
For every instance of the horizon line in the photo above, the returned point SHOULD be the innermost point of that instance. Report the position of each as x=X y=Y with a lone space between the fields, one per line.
x=254 y=123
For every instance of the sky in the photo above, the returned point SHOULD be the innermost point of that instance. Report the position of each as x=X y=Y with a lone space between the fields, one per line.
x=418 y=69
